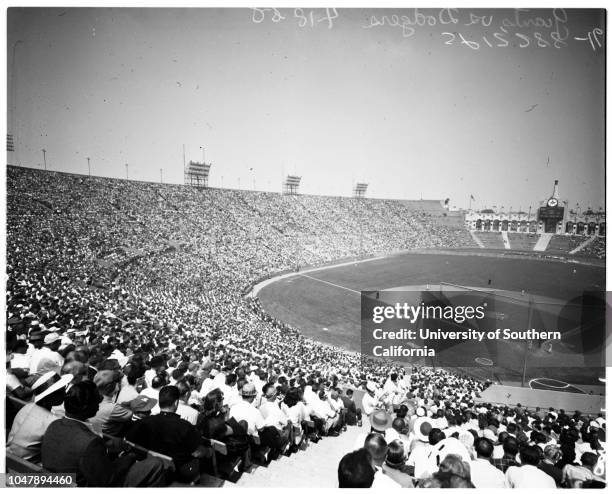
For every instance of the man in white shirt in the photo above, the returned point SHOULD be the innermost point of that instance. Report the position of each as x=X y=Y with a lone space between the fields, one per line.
x=207 y=383
x=48 y=352
x=483 y=473
x=420 y=447
x=370 y=402
x=528 y=475
x=244 y=410
x=271 y=411
x=157 y=365
x=322 y=410
x=230 y=391
x=185 y=411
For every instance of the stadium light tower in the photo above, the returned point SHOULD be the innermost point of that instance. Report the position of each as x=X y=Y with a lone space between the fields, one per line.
x=44 y=151
x=88 y=168
x=203 y=159
x=161 y=175
x=126 y=171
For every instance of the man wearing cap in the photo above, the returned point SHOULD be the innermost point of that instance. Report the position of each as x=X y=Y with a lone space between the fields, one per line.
x=69 y=445
x=32 y=421
x=245 y=410
x=420 y=447
x=168 y=434
x=111 y=417
x=36 y=341
x=380 y=423
x=140 y=406
x=48 y=352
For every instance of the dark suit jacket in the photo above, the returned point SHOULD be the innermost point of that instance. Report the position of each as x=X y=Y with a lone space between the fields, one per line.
x=69 y=446
x=351 y=410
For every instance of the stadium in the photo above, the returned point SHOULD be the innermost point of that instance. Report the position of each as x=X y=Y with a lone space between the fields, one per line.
x=305 y=247
x=117 y=269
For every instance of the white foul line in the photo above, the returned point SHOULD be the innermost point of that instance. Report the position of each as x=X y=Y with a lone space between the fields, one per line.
x=330 y=283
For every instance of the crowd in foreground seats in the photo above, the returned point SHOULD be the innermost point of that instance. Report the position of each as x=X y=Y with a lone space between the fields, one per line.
x=87 y=417
x=437 y=436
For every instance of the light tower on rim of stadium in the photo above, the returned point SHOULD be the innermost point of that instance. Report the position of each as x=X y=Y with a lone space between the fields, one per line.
x=44 y=151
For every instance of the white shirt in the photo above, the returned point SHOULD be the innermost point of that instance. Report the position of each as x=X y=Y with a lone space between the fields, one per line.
x=43 y=354
x=20 y=361
x=368 y=404
x=187 y=413
x=273 y=415
x=321 y=409
x=528 y=477
x=127 y=393
x=148 y=376
x=207 y=386
x=485 y=475
x=247 y=412
x=420 y=458
x=382 y=481
x=498 y=451
x=297 y=413
x=230 y=395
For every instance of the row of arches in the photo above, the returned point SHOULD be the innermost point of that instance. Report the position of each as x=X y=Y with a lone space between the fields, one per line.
x=533 y=226
x=581 y=228
x=506 y=226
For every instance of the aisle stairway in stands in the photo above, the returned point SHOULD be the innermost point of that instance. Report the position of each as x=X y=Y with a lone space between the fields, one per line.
x=588 y=241
x=476 y=239
x=543 y=242
x=522 y=241
x=317 y=466
x=505 y=240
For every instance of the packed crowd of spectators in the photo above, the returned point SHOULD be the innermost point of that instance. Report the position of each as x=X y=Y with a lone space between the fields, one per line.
x=596 y=249
x=428 y=430
x=126 y=314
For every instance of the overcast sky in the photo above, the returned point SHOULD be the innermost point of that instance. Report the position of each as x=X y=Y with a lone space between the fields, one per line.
x=408 y=109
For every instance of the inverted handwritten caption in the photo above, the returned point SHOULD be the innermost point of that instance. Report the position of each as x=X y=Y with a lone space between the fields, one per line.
x=552 y=30
x=303 y=17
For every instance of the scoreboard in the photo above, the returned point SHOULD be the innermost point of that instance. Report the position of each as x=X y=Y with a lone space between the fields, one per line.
x=550 y=213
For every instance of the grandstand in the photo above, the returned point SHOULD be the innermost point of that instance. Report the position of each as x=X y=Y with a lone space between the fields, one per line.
x=150 y=278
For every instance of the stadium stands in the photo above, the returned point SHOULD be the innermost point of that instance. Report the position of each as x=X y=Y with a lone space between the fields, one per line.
x=522 y=241
x=491 y=240
x=137 y=288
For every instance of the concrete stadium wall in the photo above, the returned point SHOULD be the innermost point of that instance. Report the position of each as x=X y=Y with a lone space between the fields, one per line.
x=531 y=398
